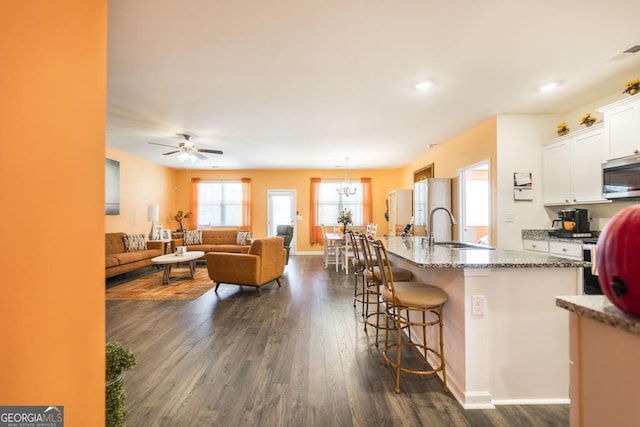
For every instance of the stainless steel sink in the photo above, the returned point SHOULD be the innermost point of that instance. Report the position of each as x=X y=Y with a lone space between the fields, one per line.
x=462 y=245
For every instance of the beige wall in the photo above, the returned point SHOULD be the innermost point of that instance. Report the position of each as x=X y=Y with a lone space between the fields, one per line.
x=299 y=180
x=52 y=325
x=472 y=146
x=142 y=183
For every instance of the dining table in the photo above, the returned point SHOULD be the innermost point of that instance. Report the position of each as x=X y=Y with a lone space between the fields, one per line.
x=339 y=241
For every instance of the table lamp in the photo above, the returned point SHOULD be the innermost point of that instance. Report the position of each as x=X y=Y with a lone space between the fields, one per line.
x=153 y=214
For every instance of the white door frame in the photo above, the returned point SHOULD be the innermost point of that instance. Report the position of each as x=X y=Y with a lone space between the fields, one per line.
x=462 y=220
x=294 y=212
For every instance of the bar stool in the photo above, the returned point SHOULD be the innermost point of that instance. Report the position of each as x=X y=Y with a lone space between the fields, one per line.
x=373 y=279
x=405 y=297
x=358 y=268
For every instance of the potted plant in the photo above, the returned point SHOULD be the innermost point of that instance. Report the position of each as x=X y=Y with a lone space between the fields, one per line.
x=587 y=119
x=181 y=216
x=562 y=128
x=118 y=360
x=344 y=218
x=632 y=87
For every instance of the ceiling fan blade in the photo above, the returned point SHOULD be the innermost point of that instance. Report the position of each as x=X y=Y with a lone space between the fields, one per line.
x=205 y=150
x=198 y=155
x=170 y=152
x=164 y=145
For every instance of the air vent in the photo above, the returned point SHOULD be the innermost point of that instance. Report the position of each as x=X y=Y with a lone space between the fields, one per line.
x=625 y=54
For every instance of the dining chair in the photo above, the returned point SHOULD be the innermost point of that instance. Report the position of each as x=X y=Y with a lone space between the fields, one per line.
x=330 y=249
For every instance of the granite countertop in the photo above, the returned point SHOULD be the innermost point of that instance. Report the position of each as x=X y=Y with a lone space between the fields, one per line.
x=600 y=309
x=415 y=252
x=544 y=235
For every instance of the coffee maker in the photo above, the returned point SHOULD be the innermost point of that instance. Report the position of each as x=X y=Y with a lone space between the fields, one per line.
x=573 y=223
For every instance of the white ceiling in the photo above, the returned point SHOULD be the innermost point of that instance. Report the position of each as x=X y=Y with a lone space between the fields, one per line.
x=288 y=84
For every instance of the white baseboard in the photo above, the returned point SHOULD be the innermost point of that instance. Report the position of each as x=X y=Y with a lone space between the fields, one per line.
x=531 y=401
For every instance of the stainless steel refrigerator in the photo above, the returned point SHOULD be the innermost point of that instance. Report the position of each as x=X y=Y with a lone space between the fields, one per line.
x=429 y=194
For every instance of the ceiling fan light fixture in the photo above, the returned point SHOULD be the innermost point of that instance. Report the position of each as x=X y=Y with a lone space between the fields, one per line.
x=184 y=156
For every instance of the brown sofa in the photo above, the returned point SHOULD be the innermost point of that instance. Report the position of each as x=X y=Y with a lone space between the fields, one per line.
x=215 y=240
x=263 y=264
x=119 y=261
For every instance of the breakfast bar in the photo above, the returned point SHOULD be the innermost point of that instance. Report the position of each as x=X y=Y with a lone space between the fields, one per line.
x=505 y=340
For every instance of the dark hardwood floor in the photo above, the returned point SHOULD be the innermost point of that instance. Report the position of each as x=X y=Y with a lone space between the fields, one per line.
x=297 y=356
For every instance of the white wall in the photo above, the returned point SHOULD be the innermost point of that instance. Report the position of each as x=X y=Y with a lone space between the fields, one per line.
x=519 y=150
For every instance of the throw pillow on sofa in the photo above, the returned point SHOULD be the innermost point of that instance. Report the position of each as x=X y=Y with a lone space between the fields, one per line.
x=242 y=238
x=135 y=242
x=193 y=237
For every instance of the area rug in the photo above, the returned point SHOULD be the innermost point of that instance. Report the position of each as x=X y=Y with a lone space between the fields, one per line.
x=150 y=288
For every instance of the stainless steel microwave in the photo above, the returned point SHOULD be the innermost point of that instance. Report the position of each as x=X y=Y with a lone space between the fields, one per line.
x=621 y=178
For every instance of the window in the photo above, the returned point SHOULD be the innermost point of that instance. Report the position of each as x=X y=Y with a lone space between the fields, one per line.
x=330 y=203
x=220 y=203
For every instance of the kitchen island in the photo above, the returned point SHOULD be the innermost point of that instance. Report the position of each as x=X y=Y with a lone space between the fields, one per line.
x=514 y=347
x=604 y=348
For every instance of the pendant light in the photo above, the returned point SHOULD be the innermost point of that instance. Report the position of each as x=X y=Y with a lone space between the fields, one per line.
x=346 y=189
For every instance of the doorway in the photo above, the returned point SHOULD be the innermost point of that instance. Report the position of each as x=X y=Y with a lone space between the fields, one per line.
x=281 y=209
x=475 y=203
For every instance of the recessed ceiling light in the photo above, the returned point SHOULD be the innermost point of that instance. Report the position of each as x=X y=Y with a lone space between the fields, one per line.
x=548 y=87
x=423 y=85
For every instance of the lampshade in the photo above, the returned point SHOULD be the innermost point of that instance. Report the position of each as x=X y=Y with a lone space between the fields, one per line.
x=153 y=213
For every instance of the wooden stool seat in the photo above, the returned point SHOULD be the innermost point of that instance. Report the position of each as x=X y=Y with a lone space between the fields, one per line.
x=416 y=295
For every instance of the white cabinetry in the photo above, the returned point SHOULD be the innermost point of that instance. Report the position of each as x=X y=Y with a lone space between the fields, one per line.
x=400 y=209
x=554 y=247
x=622 y=127
x=535 y=245
x=571 y=168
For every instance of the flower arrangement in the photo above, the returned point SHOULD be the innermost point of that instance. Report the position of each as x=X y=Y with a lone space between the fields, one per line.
x=344 y=217
x=562 y=128
x=181 y=216
x=632 y=87
x=587 y=119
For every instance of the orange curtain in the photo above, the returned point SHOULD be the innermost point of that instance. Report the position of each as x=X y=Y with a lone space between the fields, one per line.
x=315 y=232
x=246 y=204
x=193 y=204
x=367 y=195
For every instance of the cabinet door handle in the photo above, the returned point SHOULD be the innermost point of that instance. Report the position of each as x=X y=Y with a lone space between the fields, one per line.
x=636 y=151
x=566 y=200
x=564 y=249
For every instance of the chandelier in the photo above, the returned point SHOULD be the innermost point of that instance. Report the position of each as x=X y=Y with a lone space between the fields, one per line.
x=345 y=188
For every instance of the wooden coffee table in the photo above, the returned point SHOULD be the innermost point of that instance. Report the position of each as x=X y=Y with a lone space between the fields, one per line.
x=169 y=260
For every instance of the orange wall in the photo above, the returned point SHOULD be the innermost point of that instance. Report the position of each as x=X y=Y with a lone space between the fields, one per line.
x=473 y=146
x=142 y=183
x=262 y=180
x=52 y=330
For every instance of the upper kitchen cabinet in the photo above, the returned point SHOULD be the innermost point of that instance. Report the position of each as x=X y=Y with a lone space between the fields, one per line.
x=572 y=167
x=622 y=127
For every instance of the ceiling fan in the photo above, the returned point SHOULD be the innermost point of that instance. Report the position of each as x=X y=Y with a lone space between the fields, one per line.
x=187 y=149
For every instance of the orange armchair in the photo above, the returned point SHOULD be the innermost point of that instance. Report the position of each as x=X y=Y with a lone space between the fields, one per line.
x=263 y=264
